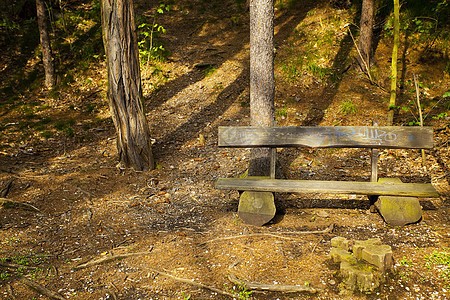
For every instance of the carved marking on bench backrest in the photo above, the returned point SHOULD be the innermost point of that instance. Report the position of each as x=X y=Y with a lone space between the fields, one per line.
x=377 y=136
x=344 y=135
x=357 y=136
x=231 y=136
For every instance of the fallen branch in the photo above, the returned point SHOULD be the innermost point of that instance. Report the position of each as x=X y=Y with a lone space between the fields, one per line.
x=367 y=72
x=7 y=203
x=329 y=229
x=108 y=259
x=41 y=289
x=192 y=282
x=271 y=287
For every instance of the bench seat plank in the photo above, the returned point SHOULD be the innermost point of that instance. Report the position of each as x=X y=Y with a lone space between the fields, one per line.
x=329 y=187
x=393 y=137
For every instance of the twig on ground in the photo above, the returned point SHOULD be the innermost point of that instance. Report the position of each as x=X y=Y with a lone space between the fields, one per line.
x=5 y=190
x=41 y=289
x=7 y=203
x=108 y=259
x=314 y=248
x=271 y=287
x=191 y=282
x=329 y=229
x=10 y=292
x=14 y=266
x=113 y=294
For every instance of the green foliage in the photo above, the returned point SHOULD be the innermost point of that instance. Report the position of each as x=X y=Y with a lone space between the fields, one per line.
x=210 y=70
x=405 y=262
x=66 y=127
x=425 y=22
x=440 y=261
x=321 y=72
x=150 y=46
x=91 y=107
x=185 y=297
x=240 y=291
x=80 y=37
x=311 y=13
x=285 y=4
x=24 y=260
x=9 y=25
x=291 y=71
x=4 y=275
x=347 y=107
x=413 y=123
x=440 y=116
x=282 y=112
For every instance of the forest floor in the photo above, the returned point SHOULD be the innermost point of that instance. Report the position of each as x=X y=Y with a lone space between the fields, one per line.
x=147 y=231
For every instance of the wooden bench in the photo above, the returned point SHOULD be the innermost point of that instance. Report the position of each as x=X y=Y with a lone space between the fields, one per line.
x=371 y=137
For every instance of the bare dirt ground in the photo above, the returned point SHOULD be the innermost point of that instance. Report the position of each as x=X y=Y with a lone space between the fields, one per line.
x=173 y=219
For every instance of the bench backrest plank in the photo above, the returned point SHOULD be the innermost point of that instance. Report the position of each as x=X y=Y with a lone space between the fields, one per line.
x=394 y=137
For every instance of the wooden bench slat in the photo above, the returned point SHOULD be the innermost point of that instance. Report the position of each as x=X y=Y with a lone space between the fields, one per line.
x=330 y=187
x=394 y=137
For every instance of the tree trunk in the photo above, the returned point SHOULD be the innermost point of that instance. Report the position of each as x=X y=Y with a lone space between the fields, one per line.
x=46 y=49
x=124 y=84
x=365 y=36
x=262 y=83
x=391 y=111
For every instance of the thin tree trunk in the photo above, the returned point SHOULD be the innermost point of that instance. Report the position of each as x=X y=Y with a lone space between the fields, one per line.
x=365 y=36
x=262 y=83
x=390 y=119
x=124 y=84
x=46 y=49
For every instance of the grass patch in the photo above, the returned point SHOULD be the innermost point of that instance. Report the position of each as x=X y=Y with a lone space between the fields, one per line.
x=348 y=108
x=66 y=127
x=210 y=70
x=282 y=112
x=440 y=261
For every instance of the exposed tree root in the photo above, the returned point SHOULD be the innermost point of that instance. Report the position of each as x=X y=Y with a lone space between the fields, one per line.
x=271 y=287
x=5 y=190
x=7 y=203
x=108 y=259
x=41 y=289
x=329 y=229
x=10 y=292
x=192 y=282
x=14 y=266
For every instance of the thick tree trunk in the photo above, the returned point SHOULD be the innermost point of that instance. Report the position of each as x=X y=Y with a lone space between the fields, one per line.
x=262 y=83
x=390 y=119
x=124 y=84
x=46 y=49
x=365 y=35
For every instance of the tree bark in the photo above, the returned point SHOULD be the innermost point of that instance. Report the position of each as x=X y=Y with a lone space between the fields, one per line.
x=46 y=49
x=262 y=82
x=390 y=119
x=365 y=36
x=124 y=85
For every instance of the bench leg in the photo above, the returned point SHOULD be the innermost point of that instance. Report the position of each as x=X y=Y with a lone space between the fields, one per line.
x=398 y=211
x=256 y=208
